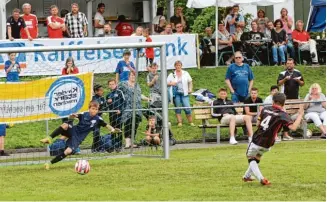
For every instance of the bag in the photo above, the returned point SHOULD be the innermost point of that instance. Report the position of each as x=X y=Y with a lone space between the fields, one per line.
x=157 y=27
x=57 y=147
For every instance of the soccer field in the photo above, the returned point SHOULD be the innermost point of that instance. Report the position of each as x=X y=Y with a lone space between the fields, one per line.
x=297 y=171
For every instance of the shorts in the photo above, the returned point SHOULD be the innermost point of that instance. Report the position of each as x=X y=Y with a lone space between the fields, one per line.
x=255 y=150
x=226 y=119
x=3 y=130
x=74 y=139
x=149 y=60
x=255 y=118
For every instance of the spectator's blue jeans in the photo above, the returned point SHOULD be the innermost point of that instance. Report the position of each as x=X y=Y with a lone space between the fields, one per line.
x=237 y=98
x=291 y=49
x=281 y=52
x=182 y=101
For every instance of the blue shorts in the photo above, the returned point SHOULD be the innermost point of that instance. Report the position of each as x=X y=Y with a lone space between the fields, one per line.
x=74 y=139
x=3 y=130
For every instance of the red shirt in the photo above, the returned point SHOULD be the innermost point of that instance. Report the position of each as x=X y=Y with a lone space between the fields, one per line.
x=64 y=71
x=55 y=33
x=149 y=52
x=31 y=23
x=124 y=29
x=300 y=36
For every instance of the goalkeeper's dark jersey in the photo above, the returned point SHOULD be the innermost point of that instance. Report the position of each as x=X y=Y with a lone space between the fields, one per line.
x=272 y=119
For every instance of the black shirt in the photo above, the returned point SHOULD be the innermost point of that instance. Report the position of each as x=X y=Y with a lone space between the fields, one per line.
x=154 y=130
x=291 y=87
x=15 y=27
x=278 y=37
x=249 y=101
x=174 y=19
x=252 y=36
x=223 y=110
x=272 y=119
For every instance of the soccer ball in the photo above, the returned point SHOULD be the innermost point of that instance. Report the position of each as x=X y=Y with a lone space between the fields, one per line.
x=309 y=133
x=82 y=167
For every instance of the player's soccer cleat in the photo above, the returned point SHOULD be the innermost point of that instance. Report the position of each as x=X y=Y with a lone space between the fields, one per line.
x=247 y=179
x=264 y=182
x=47 y=166
x=287 y=138
x=46 y=140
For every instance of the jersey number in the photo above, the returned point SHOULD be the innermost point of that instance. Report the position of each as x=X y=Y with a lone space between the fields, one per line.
x=265 y=123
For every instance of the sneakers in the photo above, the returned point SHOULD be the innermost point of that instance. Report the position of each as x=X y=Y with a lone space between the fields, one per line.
x=232 y=141
x=47 y=166
x=247 y=179
x=287 y=138
x=46 y=140
x=265 y=182
x=179 y=124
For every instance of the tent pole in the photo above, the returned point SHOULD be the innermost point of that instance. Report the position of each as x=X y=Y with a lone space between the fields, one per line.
x=216 y=31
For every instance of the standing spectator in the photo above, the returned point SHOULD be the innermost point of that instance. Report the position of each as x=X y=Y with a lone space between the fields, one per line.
x=252 y=111
x=228 y=116
x=239 y=79
x=168 y=30
x=76 y=23
x=287 y=26
x=290 y=80
x=30 y=21
x=273 y=90
x=124 y=67
x=138 y=31
x=12 y=68
x=316 y=111
x=302 y=38
x=99 y=21
x=262 y=20
x=124 y=28
x=225 y=41
x=234 y=19
x=154 y=82
x=180 y=83
x=279 y=41
x=178 y=18
x=2 y=140
x=149 y=52
x=107 y=31
x=56 y=25
x=70 y=67
x=14 y=24
x=269 y=29
x=159 y=21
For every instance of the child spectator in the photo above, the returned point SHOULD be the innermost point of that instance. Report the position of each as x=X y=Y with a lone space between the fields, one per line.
x=149 y=52
x=154 y=82
x=2 y=140
x=70 y=67
x=12 y=68
x=124 y=67
x=152 y=132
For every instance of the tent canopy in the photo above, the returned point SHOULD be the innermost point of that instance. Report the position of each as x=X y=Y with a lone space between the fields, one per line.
x=317 y=16
x=318 y=2
x=226 y=3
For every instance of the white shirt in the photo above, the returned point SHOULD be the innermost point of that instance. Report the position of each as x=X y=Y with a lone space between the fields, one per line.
x=99 y=31
x=186 y=78
x=268 y=100
x=156 y=19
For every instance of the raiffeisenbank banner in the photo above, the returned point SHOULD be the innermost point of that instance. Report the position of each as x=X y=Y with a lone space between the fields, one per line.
x=179 y=47
x=47 y=98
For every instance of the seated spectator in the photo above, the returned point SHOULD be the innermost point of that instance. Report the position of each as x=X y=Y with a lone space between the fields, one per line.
x=124 y=67
x=138 y=31
x=168 y=30
x=179 y=28
x=56 y=25
x=107 y=31
x=124 y=28
x=316 y=111
x=253 y=110
x=159 y=21
x=273 y=90
x=262 y=20
x=30 y=21
x=208 y=34
x=152 y=132
x=269 y=29
x=228 y=116
x=12 y=68
x=237 y=43
x=225 y=41
x=234 y=19
x=287 y=26
x=178 y=18
x=14 y=25
x=279 y=41
x=303 y=41
x=70 y=67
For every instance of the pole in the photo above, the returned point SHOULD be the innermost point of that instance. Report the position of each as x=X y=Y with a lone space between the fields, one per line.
x=47 y=132
x=164 y=101
x=216 y=31
x=198 y=50
x=89 y=17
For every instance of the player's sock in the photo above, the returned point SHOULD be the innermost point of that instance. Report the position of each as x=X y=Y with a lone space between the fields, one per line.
x=248 y=172
x=58 y=158
x=57 y=132
x=255 y=169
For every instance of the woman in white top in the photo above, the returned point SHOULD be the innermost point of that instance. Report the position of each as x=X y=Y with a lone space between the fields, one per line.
x=180 y=86
x=316 y=111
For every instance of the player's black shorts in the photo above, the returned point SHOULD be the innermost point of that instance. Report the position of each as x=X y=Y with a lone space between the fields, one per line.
x=74 y=139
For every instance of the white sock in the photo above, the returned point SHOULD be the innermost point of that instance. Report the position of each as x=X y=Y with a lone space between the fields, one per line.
x=255 y=169
x=248 y=172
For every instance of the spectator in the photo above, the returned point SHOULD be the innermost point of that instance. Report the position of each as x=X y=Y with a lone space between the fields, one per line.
x=30 y=21
x=56 y=25
x=287 y=26
x=273 y=90
x=178 y=18
x=279 y=42
x=168 y=30
x=208 y=34
x=239 y=79
x=149 y=52
x=107 y=31
x=154 y=82
x=269 y=29
x=14 y=24
x=225 y=41
x=152 y=132
x=76 y=23
x=316 y=111
x=180 y=83
x=234 y=19
x=228 y=116
x=302 y=38
x=261 y=20
x=99 y=21
x=138 y=31
x=124 y=67
x=2 y=140
x=12 y=68
x=70 y=67
x=124 y=28
x=237 y=34
x=159 y=21
x=179 y=28
x=252 y=111
x=290 y=80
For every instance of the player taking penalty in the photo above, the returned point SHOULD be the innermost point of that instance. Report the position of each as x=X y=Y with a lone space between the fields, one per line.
x=269 y=123
x=76 y=134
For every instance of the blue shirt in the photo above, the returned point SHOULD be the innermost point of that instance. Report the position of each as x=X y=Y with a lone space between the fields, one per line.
x=123 y=70
x=118 y=100
x=13 y=74
x=87 y=123
x=232 y=28
x=239 y=77
x=3 y=129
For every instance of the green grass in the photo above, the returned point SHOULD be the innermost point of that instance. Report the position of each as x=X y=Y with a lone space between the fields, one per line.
x=27 y=135
x=297 y=171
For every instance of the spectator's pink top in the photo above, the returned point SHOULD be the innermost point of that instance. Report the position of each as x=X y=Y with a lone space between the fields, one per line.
x=285 y=27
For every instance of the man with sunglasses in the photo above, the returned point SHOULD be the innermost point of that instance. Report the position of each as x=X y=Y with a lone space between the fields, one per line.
x=178 y=18
x=179 y=28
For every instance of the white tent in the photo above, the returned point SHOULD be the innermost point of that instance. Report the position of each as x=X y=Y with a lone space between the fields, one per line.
x=226 y=3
